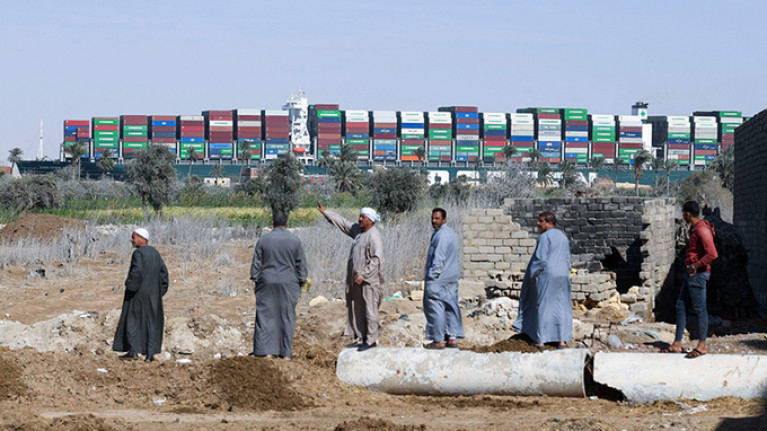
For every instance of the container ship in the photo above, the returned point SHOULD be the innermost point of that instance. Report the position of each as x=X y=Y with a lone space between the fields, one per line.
x=461 y=136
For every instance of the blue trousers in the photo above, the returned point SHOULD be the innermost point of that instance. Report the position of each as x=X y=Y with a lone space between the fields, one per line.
x=692 y=299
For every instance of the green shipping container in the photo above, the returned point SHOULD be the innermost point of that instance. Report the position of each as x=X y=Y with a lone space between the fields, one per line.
x=105 y=121
x=105 y=134
x=412 y=136
x=730 y=113
x=328 y=114
x=134 y=145
x=705 y=141
x=134 y=134
x=679 y=136
x=135 y=128
x=495 y=127
x=440 y=134
x=627 y=151
x=603 y=129
x=358 y=141
x=465 y=148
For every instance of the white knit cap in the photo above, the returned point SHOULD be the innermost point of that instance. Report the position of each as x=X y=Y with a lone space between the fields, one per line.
x=142 y=233
x=371 y=214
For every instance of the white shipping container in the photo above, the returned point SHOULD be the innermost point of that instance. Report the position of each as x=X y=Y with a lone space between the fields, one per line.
x=248 y=112
x=549 y=122
x=248 y=123
x=630 y=140
x=412 y=131
x=576 y=150
x=466 y=137
x=394 y=113
x=440 y=121
x=521 y=117
x=440 y=115
x=731 y=120
x=276 y=113
x=221 y=123
x=677 y=119
x=678 y=129
x=629 y=118
x=356 y=113
x=577 y=134
x=701 y=119
x=192 y=118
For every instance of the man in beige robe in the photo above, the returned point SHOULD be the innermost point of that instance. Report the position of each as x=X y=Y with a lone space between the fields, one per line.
x=364 y=276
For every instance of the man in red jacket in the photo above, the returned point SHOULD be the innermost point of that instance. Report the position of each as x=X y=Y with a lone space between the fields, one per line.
x=700 y=253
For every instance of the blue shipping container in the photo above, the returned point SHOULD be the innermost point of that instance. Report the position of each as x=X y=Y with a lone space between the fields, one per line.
x=631 y=134
x=383 y=131
x=543 y=146
x=521 y=138
x=495 y=133
x=220 y=146
x=467 y=126
x=163 y=123
x=466 y=115
x=188 y=140
x=550 y=154
x=164 y=134
x=576 y=139
x=678 y=141
x=329 y=120
x=412 y=125
x=576 y=128
x=358 y=136
x=706 y=147
x=277 y=141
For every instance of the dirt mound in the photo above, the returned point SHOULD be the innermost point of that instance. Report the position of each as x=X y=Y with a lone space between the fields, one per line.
x=20 y=420
x=314 y=354
x=10 y=379
x=517 y=343
x=577 y=424
x=251 y=383
x=366 y=423
x=44 y=227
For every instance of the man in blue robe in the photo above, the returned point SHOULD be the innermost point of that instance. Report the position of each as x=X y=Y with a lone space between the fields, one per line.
x=440 y=300
x=545 y=306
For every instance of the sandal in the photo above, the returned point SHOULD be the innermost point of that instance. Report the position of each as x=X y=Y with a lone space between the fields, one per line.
x=694 y=353
x=434 y=346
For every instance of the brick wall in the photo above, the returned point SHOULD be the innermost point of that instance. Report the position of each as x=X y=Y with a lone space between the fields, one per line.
x=620 y=246
x=750 y=200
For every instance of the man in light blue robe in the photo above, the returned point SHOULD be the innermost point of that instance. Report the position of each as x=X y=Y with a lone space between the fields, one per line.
x=545 y=306
x=440 y=300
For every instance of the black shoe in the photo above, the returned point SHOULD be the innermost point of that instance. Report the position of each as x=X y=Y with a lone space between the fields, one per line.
x=434 y=346
x=366 y=346
x=354 y=345
x=149 y=358
x=130 y=356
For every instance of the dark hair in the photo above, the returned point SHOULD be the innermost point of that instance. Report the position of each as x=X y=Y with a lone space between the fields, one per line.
x=441 y=211
x=691 y=207
x=549 y=217
x=279 y=218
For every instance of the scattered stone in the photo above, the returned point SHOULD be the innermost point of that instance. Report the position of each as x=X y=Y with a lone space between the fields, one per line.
x=416 y=295
x=317 y=301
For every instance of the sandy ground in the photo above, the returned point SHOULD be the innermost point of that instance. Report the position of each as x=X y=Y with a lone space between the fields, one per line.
x=57 y=370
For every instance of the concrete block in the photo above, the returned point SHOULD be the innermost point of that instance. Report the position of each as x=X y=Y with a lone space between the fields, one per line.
x=502 y=250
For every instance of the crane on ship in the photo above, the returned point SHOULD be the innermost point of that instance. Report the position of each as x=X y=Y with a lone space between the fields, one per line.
x=298 y=107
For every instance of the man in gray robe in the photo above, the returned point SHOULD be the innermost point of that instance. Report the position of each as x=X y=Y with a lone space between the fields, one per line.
x=141 y=323
x=278 y=270
x=545 y=306
x=440 y=300
x=364 y=276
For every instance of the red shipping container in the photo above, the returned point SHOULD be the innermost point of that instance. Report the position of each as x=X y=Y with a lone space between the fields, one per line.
x=444 y=158
x=329 y=127
x=631 y=129
x=379 y=153
x=384 y=125
x=277 y=120
x=134 y=139
x=218 y=113
x=440 y=126
x=134 y=120
x=163 y=128
x=328 y=136
x=276 y=135
x=495 y=138
x=465 y=109
x=549 y=116
x=70 y=138
x=163 y=118
x=325 y=107
x=248 y=117
x=106 y=127
x=164 y=140
x=357 y=129
x=385 y=136
x=221 y=129
x=577 y=145
x=576 y=123
x=189 y=129
x=76 y=123
x=83 y=134
x=220 y=135
x=629 y=146
x=684 y=157
x=245 y=129
x=412 y=142
x=467 y=121
x=328 y=141
x=705 y=152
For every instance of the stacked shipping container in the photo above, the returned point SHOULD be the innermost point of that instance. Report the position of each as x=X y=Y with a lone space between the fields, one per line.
x=522 y=133
x=412 y=127
x=705 y=140
x=162 y=131
x=357 y=132
x=134 y=133
x=549 y=132
x=106 y=135
x=465 y=131
x=629 y=136
x=576 y=135
x=672 y=132
x=77 y=131
x=385 y=136
x=191 y=133
x=603 y=136
x=325 y=124
x=276 y=133
x=440 y=126
x=494 y=133
x=248 y=129
x=219 y=131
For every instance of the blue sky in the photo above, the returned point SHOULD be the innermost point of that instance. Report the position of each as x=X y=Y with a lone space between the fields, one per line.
x=76 y=60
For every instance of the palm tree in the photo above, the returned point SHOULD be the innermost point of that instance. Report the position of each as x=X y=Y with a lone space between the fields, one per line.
x=641 y=157
x=617 y=167
x=509 y=151
x=347 y=153
x=656 y=165
x=77 y=150
x=544 y=175
x=325 y=161
x=346 y=175
x=597 y=163
x=567 y=168
x=668 y=166
x=192 y=154
x=14 y=157
x=420 y=154
x=534 y=155
x=106 y=163
x=478 y=163
x=724 y=166
x=244 y=155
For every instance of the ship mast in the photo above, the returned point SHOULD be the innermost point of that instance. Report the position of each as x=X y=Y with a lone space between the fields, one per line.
x=298 y=107
x=40 y=147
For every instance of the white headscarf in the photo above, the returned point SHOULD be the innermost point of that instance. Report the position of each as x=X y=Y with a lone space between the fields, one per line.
x=371 y=214
x=142 y=233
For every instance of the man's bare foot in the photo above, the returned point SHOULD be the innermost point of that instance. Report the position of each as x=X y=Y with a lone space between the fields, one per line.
x=675 y=347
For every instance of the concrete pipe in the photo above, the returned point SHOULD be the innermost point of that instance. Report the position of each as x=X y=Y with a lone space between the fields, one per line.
x=452 y=372
x=646 y=377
